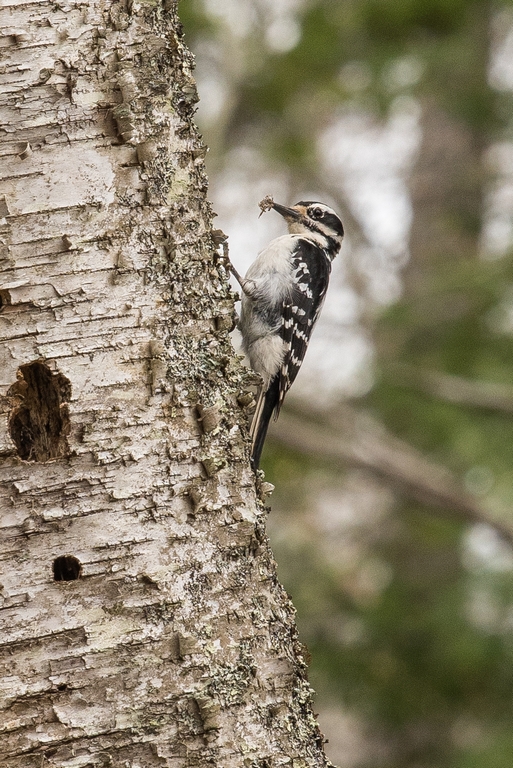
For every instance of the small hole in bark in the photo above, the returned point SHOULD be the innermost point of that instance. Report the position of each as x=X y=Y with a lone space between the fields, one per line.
x=62 y=687
x=66 y=568
x=39 y=420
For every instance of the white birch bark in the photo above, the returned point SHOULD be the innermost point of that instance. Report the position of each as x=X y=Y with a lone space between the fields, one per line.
x=175 y=646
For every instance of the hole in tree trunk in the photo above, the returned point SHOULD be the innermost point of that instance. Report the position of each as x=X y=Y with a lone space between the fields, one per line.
x=39 y=420
x=66 y=568
x=5 y=299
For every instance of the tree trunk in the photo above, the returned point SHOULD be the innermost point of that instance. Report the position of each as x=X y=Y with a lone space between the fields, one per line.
x=447 y=185
x=142 y=622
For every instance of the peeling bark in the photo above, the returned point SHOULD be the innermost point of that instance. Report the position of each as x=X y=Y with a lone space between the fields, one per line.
x=141 y=620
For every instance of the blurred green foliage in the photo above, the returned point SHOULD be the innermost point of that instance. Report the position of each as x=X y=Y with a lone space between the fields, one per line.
x=426 y=658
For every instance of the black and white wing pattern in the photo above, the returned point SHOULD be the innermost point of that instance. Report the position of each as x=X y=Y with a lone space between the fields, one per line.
x=311 y=272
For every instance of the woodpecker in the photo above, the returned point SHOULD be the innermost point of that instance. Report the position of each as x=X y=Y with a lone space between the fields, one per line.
x=282 y=296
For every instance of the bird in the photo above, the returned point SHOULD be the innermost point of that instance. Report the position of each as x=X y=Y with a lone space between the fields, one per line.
x=282 y=296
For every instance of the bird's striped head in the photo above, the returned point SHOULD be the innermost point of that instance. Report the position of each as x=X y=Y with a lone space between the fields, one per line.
x=314 y=220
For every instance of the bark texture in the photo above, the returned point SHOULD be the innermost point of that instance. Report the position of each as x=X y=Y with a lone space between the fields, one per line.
x=141 y=621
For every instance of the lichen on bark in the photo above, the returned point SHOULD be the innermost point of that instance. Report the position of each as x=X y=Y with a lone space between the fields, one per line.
x=142 y=621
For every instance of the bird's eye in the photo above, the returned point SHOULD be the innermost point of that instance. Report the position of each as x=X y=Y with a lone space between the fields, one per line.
x=316 y=213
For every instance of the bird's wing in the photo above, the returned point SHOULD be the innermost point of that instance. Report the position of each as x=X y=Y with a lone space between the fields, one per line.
x=311 y=272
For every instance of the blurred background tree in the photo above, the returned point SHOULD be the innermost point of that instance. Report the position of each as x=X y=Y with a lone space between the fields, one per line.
x=391 y=520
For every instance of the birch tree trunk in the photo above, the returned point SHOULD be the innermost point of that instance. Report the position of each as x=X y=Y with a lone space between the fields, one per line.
x=142 y=623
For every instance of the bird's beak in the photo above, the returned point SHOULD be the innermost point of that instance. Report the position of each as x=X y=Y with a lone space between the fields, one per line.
x=287 y=213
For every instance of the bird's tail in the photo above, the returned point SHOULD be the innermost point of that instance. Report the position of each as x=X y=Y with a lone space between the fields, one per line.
x=266 y=403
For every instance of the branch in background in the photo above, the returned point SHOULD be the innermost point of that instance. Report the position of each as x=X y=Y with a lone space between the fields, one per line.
x=454 y=389
x=353 y=438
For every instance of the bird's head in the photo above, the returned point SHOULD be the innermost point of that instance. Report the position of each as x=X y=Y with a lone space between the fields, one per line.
x=314 y=220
